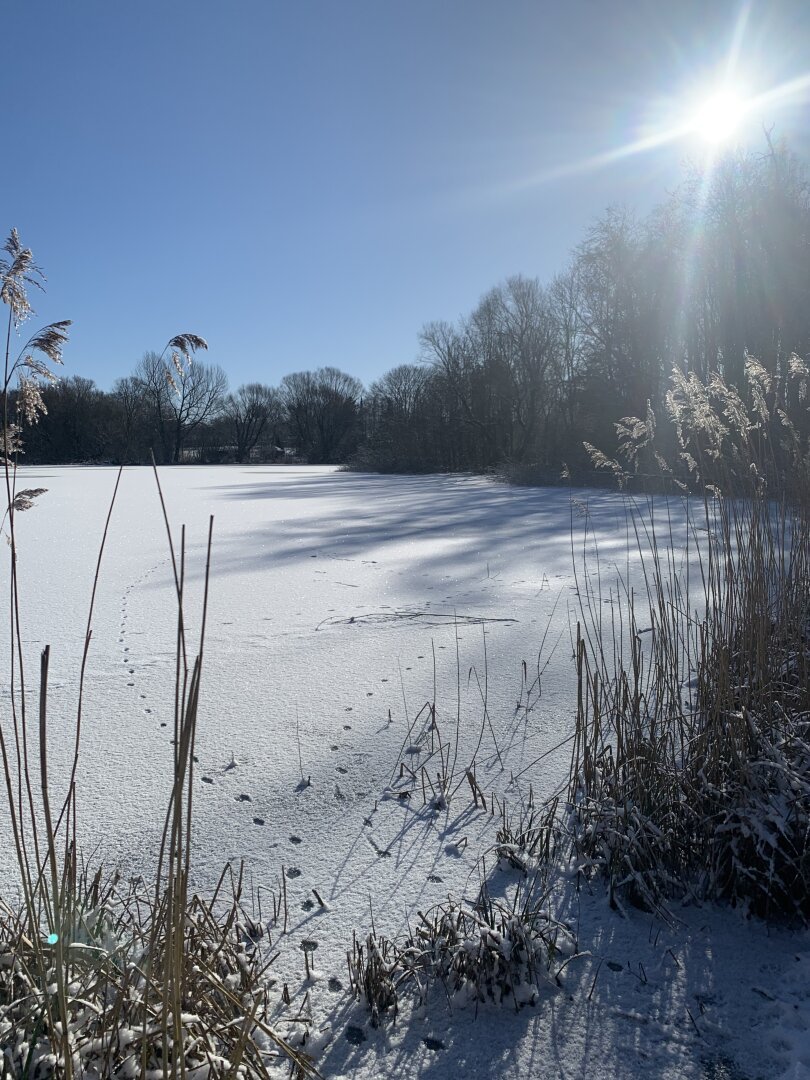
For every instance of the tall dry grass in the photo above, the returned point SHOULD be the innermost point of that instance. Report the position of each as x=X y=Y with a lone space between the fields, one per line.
x=689 y=774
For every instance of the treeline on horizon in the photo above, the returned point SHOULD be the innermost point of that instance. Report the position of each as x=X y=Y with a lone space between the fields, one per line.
x=717 y=273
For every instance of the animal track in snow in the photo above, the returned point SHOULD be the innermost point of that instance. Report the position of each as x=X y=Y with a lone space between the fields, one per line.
x=381 y=853
x=126 y=658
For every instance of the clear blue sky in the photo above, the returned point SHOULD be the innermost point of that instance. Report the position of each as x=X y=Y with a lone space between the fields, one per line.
x=308 y=183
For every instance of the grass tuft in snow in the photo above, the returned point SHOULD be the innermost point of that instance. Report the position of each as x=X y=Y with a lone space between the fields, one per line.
x=527 y=838
x=115 y=960
x=493 y=950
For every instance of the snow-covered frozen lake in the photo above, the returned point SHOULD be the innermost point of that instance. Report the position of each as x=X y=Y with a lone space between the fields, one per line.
x=331 y=594
x=339 y=605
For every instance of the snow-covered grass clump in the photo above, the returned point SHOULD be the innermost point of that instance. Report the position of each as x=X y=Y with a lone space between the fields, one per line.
x=488 y=951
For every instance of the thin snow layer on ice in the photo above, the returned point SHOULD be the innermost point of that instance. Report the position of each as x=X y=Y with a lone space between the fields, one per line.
x=340 y=604
x=336 y=601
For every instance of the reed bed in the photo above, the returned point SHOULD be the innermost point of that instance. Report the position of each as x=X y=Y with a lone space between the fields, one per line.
x=689 y=773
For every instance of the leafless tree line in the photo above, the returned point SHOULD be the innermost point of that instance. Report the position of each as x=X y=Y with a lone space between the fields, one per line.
x=719 y=271
x=311 y=416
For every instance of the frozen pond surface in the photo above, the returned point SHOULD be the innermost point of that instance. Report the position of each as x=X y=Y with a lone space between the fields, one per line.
x=330 y=595
x=337 y=602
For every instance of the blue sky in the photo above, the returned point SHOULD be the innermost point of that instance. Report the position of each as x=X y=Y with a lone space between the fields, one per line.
x=308 y=183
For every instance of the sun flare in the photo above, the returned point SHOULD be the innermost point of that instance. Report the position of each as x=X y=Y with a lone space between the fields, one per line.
x=720 y=116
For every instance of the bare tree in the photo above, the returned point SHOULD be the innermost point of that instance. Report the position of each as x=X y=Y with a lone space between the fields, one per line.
x=180 y=400
x=249 y=413
x=514 y=333
x=565 y=306
x=322 y=409
x=401 y=390
x=130 y=439
x=400 y=430
x=500 y=370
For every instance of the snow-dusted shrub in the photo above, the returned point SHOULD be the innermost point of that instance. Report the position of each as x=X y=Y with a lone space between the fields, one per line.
x=375 y=974
x=527 y=837
x=488 y=951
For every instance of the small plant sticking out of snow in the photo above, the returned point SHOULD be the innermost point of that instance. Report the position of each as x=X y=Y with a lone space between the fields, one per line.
x=375 y=975
x=527 y=838
x=487 y=951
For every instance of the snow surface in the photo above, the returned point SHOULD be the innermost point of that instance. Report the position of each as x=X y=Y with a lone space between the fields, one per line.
x=337 y=602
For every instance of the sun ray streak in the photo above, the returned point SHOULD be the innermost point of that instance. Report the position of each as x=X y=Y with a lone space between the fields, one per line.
x=609 y=157
x=736 y=41
x=793 y=90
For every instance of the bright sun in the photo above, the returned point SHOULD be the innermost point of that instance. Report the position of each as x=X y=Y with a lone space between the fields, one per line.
x=719 y=116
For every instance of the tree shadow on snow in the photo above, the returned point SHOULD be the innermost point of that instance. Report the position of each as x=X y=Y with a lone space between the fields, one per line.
x=354 y=514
